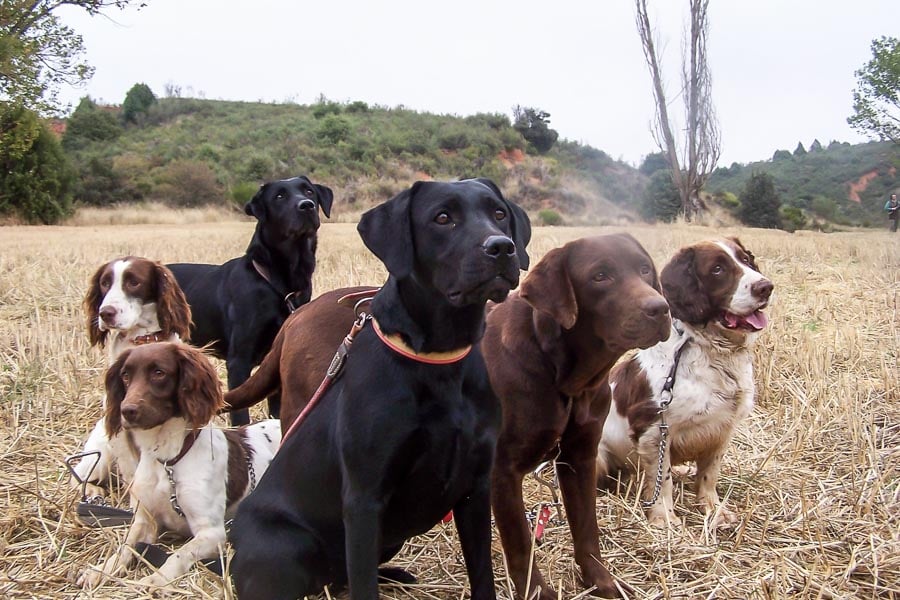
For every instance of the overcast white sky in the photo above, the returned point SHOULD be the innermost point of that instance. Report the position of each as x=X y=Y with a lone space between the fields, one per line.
x=782 y=69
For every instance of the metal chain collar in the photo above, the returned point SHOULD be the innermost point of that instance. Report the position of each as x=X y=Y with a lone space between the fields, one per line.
x=173 y=497
x=665 y=400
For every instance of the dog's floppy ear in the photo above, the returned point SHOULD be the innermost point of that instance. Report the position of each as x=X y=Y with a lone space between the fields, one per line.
x=172 y=308
x=326 y=198
x=548 y=289
x=115 y=395
x=256 y=207
x=682 y=290
x=199 y=390
x=387 y=232
x=91 y=304
x=520 y=224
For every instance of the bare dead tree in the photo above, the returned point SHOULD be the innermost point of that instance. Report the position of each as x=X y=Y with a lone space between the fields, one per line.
x=692 y=166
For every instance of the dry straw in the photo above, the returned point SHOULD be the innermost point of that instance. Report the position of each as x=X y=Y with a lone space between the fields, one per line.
x=814 y=472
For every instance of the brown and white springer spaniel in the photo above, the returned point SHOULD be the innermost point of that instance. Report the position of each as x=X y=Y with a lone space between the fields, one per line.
x=190 y=475
x=716 y=295
x=130 y=301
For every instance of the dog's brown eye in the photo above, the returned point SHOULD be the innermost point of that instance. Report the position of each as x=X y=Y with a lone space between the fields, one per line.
x=717 y=270
x=279 y=196
x=645 y=270
x=499 y=214
x=126 y=378
x=309 y=193
x=601 y=276
x=158 y=374
x=442 y=219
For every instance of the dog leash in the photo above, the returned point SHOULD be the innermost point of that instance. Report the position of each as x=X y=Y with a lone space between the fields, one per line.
x=665 y=400
x=336 y=366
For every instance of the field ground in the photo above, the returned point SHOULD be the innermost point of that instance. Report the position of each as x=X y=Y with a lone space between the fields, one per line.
x=814 y=472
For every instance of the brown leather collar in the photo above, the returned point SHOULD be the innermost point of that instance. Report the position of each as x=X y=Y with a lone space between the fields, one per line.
x=149 y=338
x=289 y=298
x=186 y=446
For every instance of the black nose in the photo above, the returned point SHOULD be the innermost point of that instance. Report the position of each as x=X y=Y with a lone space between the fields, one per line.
x=129 y=412
x=108 y=314
x=306 y=205
x=654 y=307
x=762 y=289
x=499 y=245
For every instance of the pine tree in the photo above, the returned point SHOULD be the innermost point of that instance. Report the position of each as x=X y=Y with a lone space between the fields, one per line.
x=760 y=203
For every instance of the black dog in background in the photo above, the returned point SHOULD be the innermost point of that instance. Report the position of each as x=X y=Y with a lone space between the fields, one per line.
x=239 y=306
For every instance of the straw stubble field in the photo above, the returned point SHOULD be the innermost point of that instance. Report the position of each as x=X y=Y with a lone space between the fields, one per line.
x=814 y=472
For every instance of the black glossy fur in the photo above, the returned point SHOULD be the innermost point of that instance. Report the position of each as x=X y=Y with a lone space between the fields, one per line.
x=234 y=307
x=395 y=444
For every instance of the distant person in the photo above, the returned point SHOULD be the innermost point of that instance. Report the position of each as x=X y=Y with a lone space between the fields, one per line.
x=891 y=207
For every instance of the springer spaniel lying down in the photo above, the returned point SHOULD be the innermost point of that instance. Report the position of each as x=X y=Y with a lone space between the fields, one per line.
x=716 y=295
x=130 y=301
x=190 y=475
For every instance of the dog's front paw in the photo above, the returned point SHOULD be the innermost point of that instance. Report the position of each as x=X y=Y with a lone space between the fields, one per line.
x=90 y=578
x=722 y=517
x=153 y=580
x=663 y=518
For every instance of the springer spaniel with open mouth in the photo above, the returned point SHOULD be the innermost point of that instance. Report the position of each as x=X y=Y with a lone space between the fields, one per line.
x=130 y=301
x=716 y=295
x=190 y=475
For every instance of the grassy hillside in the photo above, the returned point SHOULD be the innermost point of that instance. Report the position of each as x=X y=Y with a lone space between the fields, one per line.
x=190 y=151
x=842 y=183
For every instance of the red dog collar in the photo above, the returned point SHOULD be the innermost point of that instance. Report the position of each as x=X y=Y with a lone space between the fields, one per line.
x=395 y=342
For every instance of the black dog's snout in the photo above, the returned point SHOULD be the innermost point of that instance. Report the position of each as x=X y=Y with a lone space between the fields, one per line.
x=762 y=289
x=499 y=245
x=306 y=205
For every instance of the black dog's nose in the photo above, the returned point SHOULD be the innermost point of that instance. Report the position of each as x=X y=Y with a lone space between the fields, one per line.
x=129 y=412
x=108 y=314
x=654 y=307
x=306 y=205
x=499 y=245
x=762 y=289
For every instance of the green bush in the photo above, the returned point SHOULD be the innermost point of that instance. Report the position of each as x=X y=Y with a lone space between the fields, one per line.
x=241 y=193
x=36 y=179
x=792 y=218
x=137 y=103
x=550 y=217
x=89 y=123
x=661 y=200
x=333 y=128
x=185 y=183
x=760 y=203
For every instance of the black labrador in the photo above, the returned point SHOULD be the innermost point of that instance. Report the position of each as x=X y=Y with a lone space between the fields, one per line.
x=239 y=306
x=407 y=432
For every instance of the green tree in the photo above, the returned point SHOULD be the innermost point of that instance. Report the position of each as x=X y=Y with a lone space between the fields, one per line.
x=760 y=203
x=876 y=99
x=88 y=124
x=38 y=54
x=653 y=162
x=137 y=103
x=534 y=125
x=781 y=155
x=799 y=150
x=661 y=200
x=35 y=182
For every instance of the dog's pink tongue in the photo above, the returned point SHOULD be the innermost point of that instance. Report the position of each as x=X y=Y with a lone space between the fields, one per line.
x=756 y=320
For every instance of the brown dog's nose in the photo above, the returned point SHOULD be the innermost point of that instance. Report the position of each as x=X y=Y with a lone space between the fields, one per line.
x=654 y=307
x=762 y=289
x=129 y=412
x=108 y=314
x=499 y=245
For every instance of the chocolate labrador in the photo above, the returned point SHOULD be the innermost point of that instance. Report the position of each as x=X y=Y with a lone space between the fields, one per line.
x=239 y=306
x=407 y=432
x=549 y=349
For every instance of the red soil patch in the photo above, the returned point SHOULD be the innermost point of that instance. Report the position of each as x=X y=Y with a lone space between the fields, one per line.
x=860 y=185
x=511 y=158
